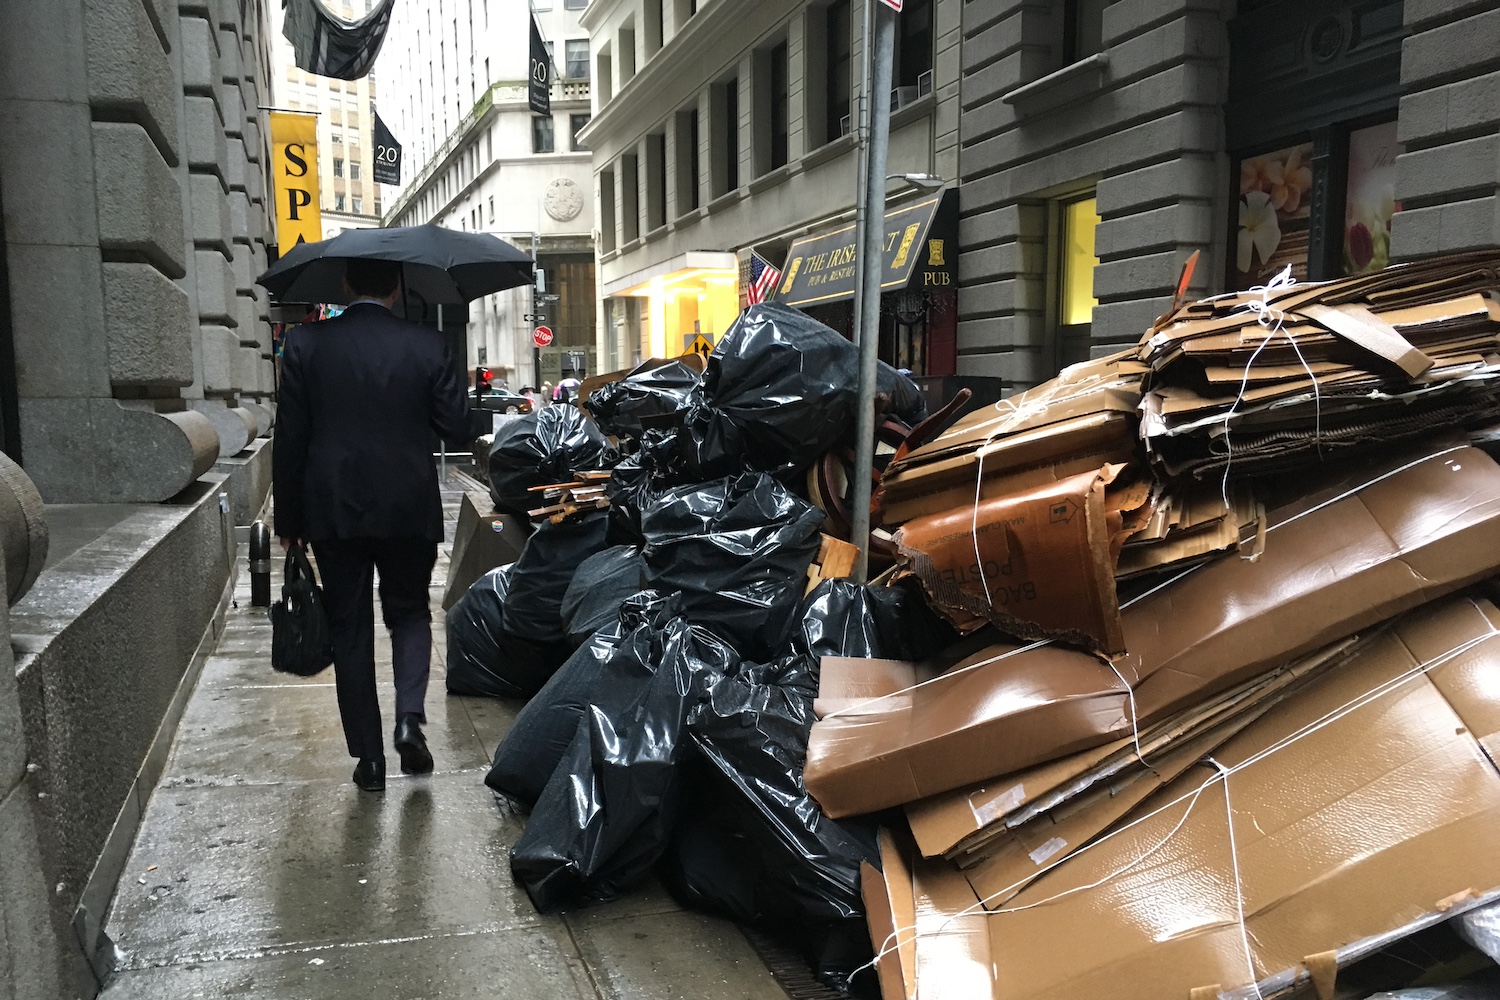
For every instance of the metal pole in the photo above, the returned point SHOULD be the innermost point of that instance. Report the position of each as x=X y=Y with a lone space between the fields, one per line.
x=442 y=444
x=861 y=159
x=536 y=352
x=872 y=259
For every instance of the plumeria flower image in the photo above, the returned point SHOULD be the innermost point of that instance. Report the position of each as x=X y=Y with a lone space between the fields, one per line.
x=1290 y=180
x=1259 y=230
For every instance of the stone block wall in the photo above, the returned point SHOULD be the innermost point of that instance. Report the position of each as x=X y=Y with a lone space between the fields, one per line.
x=1141 y=126
x=1448 y=178
x=134 y=224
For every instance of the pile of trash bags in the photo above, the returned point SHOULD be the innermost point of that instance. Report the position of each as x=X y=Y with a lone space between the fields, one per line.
x=668 y=648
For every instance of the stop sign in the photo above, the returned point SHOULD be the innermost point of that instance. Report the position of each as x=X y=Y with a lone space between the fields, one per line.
x=542 y=336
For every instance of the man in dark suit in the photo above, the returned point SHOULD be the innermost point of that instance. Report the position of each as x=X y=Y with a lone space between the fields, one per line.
x=353 y=475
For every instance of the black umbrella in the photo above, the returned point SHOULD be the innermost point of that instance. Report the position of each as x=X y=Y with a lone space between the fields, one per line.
x=442 y=266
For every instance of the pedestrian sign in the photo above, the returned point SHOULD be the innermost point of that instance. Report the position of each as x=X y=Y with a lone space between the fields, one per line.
x=699 y=344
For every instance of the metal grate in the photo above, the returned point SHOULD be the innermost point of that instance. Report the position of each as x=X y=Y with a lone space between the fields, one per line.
x=789 y=969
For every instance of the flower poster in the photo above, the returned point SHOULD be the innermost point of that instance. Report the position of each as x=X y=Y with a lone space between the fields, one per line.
x=1272 y=216
x=1371 y=198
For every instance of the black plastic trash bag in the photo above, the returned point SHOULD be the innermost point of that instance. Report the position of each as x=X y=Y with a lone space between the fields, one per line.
x=607 y=814
x=484 y=659
x=647 y=399
x=779 y=391
x=601 y=583
x=608 y=671
x=802 y=868
x=654 y=467
x=844 y=618
x=541 y=449
x=737 y=550
x=541 y=574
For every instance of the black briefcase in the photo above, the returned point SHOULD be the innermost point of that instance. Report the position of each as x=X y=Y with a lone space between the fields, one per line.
x=301 y=642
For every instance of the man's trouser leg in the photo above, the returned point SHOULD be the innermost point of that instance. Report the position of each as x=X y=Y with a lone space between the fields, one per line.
x=346 y=568
x=405 y=567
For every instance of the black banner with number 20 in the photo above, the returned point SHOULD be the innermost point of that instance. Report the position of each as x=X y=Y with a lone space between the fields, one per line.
x=539 y=89
x=387 y=155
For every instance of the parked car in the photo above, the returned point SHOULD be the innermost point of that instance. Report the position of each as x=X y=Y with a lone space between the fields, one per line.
x=501 y=401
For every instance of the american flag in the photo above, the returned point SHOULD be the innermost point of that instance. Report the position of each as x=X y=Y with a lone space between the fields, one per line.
x=763 y=279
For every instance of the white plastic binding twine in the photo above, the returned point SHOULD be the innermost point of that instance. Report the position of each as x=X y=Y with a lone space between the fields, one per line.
x=1272 y=319
x=910 y=934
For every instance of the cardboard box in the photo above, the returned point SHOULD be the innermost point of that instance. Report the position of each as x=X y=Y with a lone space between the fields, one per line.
x=1078 y=422
x=1403 y=538
x=956 y=824
x=1364 y=809
x=1037 y=563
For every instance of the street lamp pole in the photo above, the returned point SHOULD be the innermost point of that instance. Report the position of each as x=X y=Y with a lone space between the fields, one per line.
x=871 y=257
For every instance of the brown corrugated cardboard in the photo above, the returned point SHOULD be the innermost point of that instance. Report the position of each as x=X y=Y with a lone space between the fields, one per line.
x=956 y=822
x=1402 y=539
x=1364 y=806
x=1016 y=461
x=1036 y=563
x=1081 y=420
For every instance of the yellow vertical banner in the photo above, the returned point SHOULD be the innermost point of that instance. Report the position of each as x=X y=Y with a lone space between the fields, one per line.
x=294 y=172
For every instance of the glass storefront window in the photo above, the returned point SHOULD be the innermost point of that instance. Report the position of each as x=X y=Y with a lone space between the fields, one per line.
x=1371 y=199
x=1272 y=218
x=1079 y=220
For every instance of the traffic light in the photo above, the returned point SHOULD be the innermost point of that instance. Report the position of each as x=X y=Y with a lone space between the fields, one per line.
x=483 y=378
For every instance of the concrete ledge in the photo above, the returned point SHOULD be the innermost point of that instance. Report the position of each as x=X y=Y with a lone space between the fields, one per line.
x=107 y=644
x=249 y=480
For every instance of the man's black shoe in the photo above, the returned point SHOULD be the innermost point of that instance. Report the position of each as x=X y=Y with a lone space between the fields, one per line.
x=412 y=745
x=369 y=774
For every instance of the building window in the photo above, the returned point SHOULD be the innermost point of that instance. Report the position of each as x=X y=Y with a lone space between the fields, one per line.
x=338 y=138
x=575 y=125
x=377 y=207
x=358 y=204
x=914 y=49
x=725 y=143
x=655 y=18
x=492 y=210
x=541 y=134
x=1083 y=29
x=780 y=106
x=625 y=50
x=837 y=52
x=338 y=167
x=607 y=241
x=1075 y=307
x=576 y=53
x=338 y=203
x=353 y=171
x=656 y=180
x=688 y=176
x=630 y=197
x=1284 y=219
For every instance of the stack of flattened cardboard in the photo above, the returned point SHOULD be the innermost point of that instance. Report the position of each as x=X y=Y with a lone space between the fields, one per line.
x=1349 y=555
x=1338 y=820
x=1025 y=513
x=1183 y=773
x=1268 y=380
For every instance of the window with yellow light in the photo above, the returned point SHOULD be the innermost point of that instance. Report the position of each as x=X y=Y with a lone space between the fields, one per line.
x=1076 y=287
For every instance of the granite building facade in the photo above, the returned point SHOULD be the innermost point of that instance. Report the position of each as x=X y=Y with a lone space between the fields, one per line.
x=1103 y=143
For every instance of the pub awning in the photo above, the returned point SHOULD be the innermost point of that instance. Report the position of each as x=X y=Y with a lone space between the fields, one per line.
x=918 y=250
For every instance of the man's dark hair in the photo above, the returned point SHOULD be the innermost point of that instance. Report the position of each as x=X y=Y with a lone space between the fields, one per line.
x=375 y=278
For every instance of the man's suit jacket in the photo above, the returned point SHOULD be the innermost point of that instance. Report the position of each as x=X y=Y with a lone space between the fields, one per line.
x=361 y=396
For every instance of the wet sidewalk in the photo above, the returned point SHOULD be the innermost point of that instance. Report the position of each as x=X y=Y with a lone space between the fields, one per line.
x=260 y=872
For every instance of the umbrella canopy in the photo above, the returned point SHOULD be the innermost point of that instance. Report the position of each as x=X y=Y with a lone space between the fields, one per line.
x=442 y=266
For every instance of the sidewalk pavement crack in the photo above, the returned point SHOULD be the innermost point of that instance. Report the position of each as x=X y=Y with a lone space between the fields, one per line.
x=134 y=964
